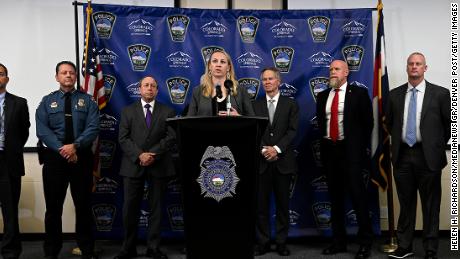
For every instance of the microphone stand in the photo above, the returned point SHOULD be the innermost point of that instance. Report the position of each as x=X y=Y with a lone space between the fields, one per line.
x=229 y=104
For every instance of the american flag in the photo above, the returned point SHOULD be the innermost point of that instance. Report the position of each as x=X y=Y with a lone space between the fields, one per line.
x=380 y=145
x=92 y=79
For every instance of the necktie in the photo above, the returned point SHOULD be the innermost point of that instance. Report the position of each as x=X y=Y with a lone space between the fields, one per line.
x=334 y=120
x=2 y=123
x=411 y=127
x=148 y=115
x=271 y=110
x=68 y=137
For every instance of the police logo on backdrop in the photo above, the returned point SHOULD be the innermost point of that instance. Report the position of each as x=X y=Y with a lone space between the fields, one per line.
x=351 y=218
x=176 y=217
x=316 y=148
x=321 y=59
x=282 y=58
x=317 y=85
x=107 y=122
x=283 y=30
x=109 y=85
x=174 y=186
x=359 y=84
x=144 y=219
x=104 y=22
x=106 y=185
x=322 y=214
x=139 y=54
x=353 y=29
x=107 y=57
x=353 y=54
x=179 y=59
x=319 y=184
x=287 y=90
x=249 y=60
x=104 y=214
x=319 y=27
x=106 y=152
x=247 y=26
x=133 y=90
x=214 y=29
x=218 y=178
x=251 y=85
x=293 y=217
x=207 y=51
x=140 y=27
x=178 y=88
x=178 y=27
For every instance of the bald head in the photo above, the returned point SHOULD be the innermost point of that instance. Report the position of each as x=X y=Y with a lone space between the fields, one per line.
x=338 y=73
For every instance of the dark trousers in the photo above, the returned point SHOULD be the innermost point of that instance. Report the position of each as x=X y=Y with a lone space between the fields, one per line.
x=57 y=175
x=133 y=195
x=411 y=173
x=273 y=181
x=10 y=191
x=346 y=177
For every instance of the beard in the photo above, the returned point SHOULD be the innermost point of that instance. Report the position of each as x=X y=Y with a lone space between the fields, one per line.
x=334 y=82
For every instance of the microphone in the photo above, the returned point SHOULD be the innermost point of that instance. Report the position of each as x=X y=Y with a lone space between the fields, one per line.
x=229 y=85
x=218 y=91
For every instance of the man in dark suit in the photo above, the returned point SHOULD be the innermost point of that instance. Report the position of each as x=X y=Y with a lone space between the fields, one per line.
x=278 y=163
x=418 y=119
x=145 y=140
x=344 y=115
x=14 y=131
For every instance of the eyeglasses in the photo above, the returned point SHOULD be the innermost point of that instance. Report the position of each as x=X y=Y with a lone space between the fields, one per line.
x=2 y=75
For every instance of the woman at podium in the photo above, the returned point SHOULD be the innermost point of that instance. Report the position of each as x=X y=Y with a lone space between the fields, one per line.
x=219 y=93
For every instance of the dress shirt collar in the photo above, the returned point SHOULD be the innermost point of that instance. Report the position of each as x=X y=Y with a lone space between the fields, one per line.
x=420 y=87
x=276 y=97
x=144 y=103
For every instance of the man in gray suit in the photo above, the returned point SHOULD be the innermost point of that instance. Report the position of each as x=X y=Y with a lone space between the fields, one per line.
x=419 y=123
x=145 y=140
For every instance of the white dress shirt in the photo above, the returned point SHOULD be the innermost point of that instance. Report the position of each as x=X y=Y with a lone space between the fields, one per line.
x=275 y=99
x=152 y=103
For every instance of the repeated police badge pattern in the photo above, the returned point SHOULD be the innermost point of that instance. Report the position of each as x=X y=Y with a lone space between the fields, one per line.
x=218 y=178
x=174 y=45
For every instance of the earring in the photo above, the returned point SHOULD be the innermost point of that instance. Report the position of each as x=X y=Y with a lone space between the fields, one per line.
x=209 y=73
x=228 y=75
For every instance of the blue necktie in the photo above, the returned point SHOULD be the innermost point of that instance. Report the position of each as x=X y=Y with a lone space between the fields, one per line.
x=411 y=127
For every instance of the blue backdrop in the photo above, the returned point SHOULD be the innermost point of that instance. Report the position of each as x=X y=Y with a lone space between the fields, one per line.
x=173 y=44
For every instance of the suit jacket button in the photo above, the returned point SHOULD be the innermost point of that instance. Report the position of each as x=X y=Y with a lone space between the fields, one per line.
x=271 y=134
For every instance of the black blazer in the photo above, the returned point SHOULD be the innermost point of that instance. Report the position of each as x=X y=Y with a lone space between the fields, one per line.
x=357 y=121
x=434 y=123
x=135 y=138
x=16 y=132
x=202 y=106
x=280 y=133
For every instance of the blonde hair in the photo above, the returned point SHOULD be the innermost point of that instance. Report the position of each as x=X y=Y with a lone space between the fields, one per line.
x=206 y=82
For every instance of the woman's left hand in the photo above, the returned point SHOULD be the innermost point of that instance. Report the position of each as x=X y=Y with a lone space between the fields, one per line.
x=233 y=112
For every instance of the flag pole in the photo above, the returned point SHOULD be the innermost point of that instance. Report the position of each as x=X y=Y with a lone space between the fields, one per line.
x=392 y=242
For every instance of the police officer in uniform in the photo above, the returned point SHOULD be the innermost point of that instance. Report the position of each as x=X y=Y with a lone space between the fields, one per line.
x=67 y=124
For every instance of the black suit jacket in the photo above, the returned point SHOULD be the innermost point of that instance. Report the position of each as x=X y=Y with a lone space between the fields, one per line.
x=357 y=121
x=434 y=123
x=16 y=132
x=280 y=133
x=135 y=138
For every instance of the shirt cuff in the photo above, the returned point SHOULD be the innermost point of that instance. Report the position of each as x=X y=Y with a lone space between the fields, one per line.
x=277 y=149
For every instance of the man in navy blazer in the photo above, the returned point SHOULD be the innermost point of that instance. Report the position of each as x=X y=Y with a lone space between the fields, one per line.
x=145 y=140
x=277 y=163
x=418 y=146
x=14 y=131
x=344 y=114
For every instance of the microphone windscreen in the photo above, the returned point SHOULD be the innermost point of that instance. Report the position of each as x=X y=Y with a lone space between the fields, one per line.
x=228 y=84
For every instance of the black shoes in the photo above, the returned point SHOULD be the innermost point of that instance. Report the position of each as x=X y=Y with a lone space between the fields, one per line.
x=334 y=249
x=282 y=250
x=430 y=255
x=401 y=253
x=155 y=254
x=363 y=252
x=125 y=255
x=261 y=249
